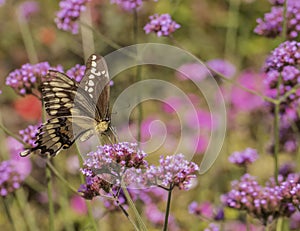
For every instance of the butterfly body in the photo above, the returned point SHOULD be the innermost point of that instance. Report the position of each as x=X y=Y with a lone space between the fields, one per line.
x=78 y=110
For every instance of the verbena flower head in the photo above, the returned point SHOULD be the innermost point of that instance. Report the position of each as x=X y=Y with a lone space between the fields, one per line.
x=243 y=101
x=286 y=54
x=173 y=171
x=243 y=158
x=282 y=64
x=265 y=203
x=161 y=25
x=128 y=5
x=105 y=167
x=69 y=13
x=10 y=177
x=29 y=134
x=28 y=77
x=76 y=72
x=28 y=9
x=271 y=25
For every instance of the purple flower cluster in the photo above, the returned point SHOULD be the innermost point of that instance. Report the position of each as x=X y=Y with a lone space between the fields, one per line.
x=69 y=13
x=10 y=177
x=173 y=171
x=243 y=158
x=108 y=164
x=286 y=54
x=29 y=134
x=28 y=77
x=161 y=25
x=76 y=72
x=282 y=65
x=265 y=203
x=271 y=25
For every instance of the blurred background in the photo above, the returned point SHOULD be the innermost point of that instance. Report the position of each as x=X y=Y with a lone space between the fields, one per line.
x=215 y=31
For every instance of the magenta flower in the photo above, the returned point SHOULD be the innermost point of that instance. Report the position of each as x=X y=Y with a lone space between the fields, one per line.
x=156 y=217
x=172 y=104
x=161 y=25
x=173 y=171
x=78 y=205
x=222 y=66
x=28 y=9
x=243 y=158
x=23 y=165
x=192 y=71
x=205 y=209
x=29 y=134
x=243 y=101
x=69 y=13
x=271 y=25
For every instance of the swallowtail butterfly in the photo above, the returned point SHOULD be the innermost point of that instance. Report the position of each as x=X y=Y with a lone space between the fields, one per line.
x=76 y=110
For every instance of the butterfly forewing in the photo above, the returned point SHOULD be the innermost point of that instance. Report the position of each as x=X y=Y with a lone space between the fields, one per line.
x=96 y=84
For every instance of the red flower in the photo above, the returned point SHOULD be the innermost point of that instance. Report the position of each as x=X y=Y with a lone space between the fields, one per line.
x=29 y=107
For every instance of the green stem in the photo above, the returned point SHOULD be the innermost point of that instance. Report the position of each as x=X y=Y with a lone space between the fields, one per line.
x=138 y=75
x=50 y=198
x=288 y=93
x=59 y=176
x=27 y=38
x=168 y=209
x=8 y=214
x=276 y=131
x=88 y=205
x=9 y=133
x=285 y=21
x=279 y=224
x=232 y=26
x=127 y=216
x=142 y=225
x=234 y=82
x=25 y=210
x=102 y=37
x=87 y=34
x=247 y=222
